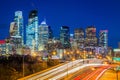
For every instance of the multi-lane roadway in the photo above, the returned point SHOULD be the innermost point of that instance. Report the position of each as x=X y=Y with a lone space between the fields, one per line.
x=64 y=71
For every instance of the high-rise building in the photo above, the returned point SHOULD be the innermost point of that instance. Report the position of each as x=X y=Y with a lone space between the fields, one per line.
x=32 y=30
x=91 y=39
x=103 y=38
x=13 y=29
x=65 y=36
x=118 y=44
x=19 y=23
x=43 y=35
x=79 y=37
x=72 y=40
x=17 y=31
x=50 y=32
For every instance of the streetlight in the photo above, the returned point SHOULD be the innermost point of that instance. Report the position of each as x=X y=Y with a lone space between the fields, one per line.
x=72 y=61
x=117 y=69
x=78 y=53
x=54 y=53
x=71 y=54
x=68 y=55
x=23 y=66
x=90 y=53
x=64 y=52
x=83 y=55
x=67 y=70
x=34 y=54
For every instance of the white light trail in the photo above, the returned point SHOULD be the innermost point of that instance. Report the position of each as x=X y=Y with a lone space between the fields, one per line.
x=73 y=70
x=47 y=74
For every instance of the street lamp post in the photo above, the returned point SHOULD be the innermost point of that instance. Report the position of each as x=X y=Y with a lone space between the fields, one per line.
x=72 y=61
x=22 y=51
x=117 y=69
x=90 y=54
x=23 y=66
x=67 y=70
x=83 y=56
x=117 y=74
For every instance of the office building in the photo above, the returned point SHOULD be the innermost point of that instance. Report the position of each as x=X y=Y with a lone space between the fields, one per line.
x=103 y=38
x=17 y=31
x=32 y=30
x=43 y=35
x=65 y=36
x=19 y=23
x=91 y=39
x=79 y=37
x=50 y=32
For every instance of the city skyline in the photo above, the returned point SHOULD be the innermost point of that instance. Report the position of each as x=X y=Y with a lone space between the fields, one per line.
x=74 y=14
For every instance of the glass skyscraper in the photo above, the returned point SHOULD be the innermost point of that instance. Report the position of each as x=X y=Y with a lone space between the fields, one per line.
x=32 y=30
x=19 y=22
x=43 y=35
x=103 y=38
x=17 y=30
x=65 y=36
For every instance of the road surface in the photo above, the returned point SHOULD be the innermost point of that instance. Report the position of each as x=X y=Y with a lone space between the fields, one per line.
x=63 y=70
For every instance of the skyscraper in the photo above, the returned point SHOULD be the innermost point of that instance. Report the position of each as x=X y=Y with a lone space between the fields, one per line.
x=17 y=30
x=32 y=30
x=43 y=35
x=91 y=39
x=65 y=36
x=103 y=38
x=50 y=32
x=19 y=23
x=79 y=37
x=72 y=40
x=13 y=29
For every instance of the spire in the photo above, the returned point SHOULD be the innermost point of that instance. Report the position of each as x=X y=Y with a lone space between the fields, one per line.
x=44 y=21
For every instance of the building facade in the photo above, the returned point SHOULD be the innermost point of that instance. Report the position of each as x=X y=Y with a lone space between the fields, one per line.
x=32 y=30
x=17 y=31
x=103 y=38
x=91 y=39
x=19 y=23
x=50 y=32
x=43 y=35
x=65 y=36
x=79 y=37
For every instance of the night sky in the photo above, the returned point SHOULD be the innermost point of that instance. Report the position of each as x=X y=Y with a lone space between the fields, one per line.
x=103 y=14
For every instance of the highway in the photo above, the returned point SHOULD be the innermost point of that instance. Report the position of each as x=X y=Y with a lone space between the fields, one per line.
x=92 y=74
x=58 y=77
x=64 y=70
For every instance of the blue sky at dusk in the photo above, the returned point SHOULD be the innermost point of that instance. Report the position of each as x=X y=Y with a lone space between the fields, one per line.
x=103 y=14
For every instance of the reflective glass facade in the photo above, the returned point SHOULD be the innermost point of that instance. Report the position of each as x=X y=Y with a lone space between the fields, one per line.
x=65 y=36
x=32 y=30
x=103 y=38
x=43 y=35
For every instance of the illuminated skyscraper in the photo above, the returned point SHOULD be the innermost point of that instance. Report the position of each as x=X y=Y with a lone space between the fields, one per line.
x=91 y=39
x=13 y=29
x=43 y=35
x=65 y=36
x=17 y=30
x=79 y=37
x=32 y=30
x=71 y=40
x=103 y=38
x=19 y=23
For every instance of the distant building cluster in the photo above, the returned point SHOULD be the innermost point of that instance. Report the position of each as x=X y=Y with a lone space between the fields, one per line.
x=35 y=37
